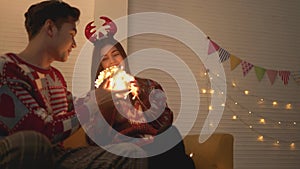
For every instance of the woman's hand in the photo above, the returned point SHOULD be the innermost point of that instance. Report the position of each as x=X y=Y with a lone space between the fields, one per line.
x=121 y=89
x=134 y=89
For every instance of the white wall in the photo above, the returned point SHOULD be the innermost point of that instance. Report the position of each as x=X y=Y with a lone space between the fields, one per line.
x=264 y=33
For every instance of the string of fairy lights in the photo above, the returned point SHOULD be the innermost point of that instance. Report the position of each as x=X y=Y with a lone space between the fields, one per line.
x=259 y=121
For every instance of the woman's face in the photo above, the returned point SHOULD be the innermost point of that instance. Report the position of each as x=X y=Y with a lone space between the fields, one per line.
x=110 y=56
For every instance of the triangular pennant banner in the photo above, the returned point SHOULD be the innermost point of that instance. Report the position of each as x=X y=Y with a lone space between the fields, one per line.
x=296 y=77
x=212 y=47
x=285 y=75
x=246 y=67
x=272 y=75
x=223 y=55
x=234 y=61
x=260 y=72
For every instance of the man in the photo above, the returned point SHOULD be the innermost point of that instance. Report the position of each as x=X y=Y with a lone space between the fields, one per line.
x=36 y=113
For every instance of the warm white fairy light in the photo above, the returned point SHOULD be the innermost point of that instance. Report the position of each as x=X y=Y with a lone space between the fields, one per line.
x=288 y=106
x=203 y=90
x=262 y=121
x=210 y=107
x=118 y=80
x=260 y=138
x=191 y=155
x=261 y=101
x=223 y=104
x=212 y=91
x=292 y=146
x=206 y=72
x=276 y=143
x=106 y=73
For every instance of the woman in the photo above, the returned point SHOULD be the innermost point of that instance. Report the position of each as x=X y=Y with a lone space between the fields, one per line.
x=143 y=112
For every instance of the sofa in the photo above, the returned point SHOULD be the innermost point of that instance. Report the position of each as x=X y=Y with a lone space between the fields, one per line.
x=215 y=153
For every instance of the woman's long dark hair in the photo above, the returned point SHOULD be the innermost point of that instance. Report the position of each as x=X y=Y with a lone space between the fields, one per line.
x=97 y=58
x=97 y=67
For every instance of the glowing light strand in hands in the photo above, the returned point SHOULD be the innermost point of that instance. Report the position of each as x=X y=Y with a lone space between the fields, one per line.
x=118 y=80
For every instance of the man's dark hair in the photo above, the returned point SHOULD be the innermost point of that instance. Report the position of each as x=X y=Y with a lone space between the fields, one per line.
x=59 y=12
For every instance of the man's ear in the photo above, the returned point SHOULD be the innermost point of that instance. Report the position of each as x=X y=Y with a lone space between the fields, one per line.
x=50 y=27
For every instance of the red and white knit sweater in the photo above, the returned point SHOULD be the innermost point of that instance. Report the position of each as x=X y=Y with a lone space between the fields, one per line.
x=129 y=119
x=32 y=98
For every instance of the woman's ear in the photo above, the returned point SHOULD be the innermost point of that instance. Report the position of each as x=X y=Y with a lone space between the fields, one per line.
x=50 y=27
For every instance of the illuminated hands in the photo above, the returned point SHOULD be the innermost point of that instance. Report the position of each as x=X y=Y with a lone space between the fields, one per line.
x=112 y=87
x=115 y=79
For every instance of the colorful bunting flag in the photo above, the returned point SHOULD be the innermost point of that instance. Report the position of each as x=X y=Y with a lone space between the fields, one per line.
x=234 y=61
x=260 y=72
x=223 y=55
x=272 y=75
x=246 y=67
x=212 y=47
x=285 y=75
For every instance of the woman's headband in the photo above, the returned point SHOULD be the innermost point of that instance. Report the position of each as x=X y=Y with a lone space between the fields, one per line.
x=91 y=33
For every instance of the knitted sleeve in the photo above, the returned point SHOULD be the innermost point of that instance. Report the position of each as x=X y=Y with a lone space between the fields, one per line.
x=148 y=113
x=29 y=102
x=158 y=112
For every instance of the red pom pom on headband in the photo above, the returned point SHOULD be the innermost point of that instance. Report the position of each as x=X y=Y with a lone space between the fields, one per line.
x=90 y=32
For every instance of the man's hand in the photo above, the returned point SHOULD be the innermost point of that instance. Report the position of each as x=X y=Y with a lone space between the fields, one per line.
x=70 y=101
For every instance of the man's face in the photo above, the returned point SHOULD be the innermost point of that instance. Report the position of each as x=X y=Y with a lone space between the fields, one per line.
x=64 y=41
